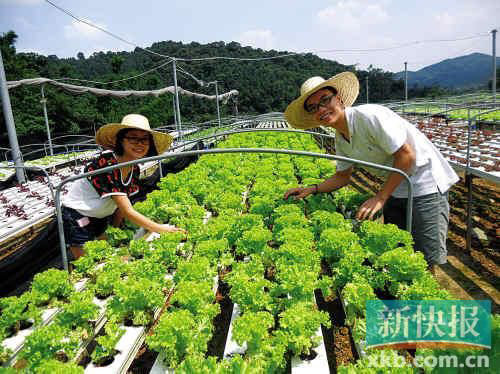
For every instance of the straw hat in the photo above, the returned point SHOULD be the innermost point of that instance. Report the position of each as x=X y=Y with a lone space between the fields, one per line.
x=346 y=84
x=106 y=135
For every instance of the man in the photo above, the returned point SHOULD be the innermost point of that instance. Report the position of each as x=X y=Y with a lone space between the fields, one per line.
x=376 y=134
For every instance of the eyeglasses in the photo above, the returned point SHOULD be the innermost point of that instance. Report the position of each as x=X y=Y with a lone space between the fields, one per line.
x=324 y=101
x=137 y=141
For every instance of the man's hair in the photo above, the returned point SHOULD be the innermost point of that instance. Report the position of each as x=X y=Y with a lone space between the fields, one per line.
x=119 y=143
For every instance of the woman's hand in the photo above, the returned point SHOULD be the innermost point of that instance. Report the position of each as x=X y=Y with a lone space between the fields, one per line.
x=170 y=228
x=370 y=207
x=299 y=192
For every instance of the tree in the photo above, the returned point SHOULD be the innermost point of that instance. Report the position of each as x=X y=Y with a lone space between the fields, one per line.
x=116 y=63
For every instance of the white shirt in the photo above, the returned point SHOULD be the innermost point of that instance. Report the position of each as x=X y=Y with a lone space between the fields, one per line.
x=376 y=132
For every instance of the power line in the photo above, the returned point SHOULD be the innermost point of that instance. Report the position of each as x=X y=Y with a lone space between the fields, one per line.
x=119 y=80
x=103 y=30
x=199 y=81
x=402 y=45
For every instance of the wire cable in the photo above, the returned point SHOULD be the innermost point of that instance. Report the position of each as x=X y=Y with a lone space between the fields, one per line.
x=103 y=30
x=119 y=80
x=402 y=45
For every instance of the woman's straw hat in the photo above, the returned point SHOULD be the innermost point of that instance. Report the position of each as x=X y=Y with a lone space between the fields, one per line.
x=346 y=84
x=106 y=135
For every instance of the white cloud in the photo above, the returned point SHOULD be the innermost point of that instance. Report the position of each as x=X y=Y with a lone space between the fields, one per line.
x=445 y=19
x=257 y=38
x=80 y=30
x=352 y=15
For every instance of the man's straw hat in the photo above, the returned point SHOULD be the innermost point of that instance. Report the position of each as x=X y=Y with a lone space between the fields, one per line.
x=346 y=84
x=106 y=135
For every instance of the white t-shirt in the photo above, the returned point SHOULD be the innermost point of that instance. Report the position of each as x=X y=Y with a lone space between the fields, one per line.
x=376 y=132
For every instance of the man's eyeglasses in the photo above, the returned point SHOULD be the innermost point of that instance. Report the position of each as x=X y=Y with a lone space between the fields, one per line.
x=324 y=101
x=137 y=141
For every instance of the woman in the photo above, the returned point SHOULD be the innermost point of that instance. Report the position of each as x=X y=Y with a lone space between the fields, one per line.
x=376 y=134
x=93 y=202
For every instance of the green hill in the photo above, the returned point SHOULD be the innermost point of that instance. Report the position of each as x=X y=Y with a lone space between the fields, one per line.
x=468 y=71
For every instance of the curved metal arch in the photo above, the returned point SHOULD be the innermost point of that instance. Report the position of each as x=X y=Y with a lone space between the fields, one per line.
x=220 y=151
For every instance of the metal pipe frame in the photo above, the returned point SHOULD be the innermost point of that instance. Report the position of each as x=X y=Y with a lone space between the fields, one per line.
x=250 y=130
x=468 y=181
x=220 y=151
x=35 y=168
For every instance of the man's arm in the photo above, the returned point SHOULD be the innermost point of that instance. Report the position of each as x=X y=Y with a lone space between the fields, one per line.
x=404 y=159
x=338 y=180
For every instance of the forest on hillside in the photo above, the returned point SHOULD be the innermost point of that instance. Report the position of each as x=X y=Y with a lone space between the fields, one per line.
x=264 y=86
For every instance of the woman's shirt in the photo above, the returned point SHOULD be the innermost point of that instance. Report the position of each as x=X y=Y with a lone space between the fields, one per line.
x=376 y=133
x=91 y=196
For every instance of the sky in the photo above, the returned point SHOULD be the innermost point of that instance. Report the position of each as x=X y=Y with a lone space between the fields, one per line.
x=368 y=30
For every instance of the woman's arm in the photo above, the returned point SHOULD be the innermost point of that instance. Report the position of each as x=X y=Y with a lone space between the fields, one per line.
x=404 y=159
x=127 y=211
x=338 y=180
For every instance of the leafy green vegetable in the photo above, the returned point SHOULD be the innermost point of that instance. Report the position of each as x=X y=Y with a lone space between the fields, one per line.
x=178 y=334
x=334 y=244
x=193 y=295
x=106 y=343
x=379 y=238
x=253 y=241
x=355 y=295
x=118 y=237
x=137 y=248
x=50 y=284
x=135 y=299
x=45 y=342
x=299 y=324
x=252 y=328
x=79 y=311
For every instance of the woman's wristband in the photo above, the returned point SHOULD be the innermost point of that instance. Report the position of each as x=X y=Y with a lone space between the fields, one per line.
x=315 y=189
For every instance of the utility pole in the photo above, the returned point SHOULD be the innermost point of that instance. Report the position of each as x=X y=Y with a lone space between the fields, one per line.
x=9 y=123
x=217 y=100
x=44 y=103
x=367 y=89
x=406 y=82
x=494 y=53
x=179 y=124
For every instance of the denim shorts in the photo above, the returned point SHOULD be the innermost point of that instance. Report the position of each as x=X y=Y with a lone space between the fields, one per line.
x=76 y=235
x=429 y=223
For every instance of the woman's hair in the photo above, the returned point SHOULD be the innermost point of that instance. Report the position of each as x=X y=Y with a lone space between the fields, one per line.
x=119 y=143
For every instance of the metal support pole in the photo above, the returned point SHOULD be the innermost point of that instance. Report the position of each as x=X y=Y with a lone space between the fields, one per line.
x=494 y=54
x=406 y=82
x=367 y=89
x=44 y=103
x=10 y=125
x=468 y=184
x=217 y=100
x=175 y=112
x=179 y=124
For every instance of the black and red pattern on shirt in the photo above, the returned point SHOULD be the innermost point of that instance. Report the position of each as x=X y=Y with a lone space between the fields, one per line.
x=111 y=182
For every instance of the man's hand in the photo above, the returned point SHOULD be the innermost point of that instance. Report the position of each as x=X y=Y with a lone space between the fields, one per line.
x=298 y=192
x=370 y=207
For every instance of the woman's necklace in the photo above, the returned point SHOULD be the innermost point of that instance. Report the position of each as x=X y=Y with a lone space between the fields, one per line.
x=125 y=170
